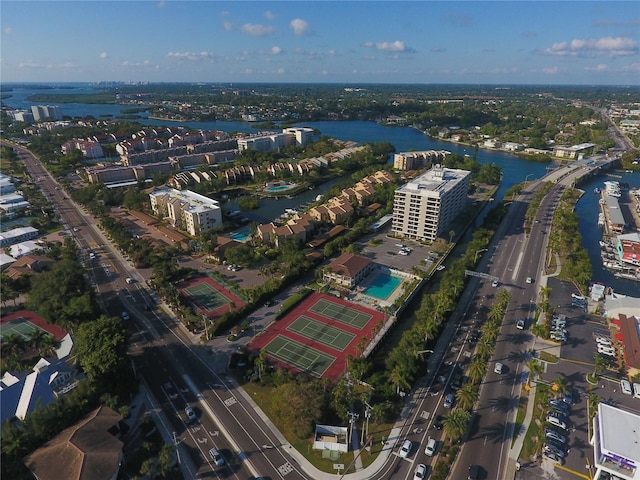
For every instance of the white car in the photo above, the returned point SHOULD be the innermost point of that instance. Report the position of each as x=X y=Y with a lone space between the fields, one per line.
x=405 y=449
x=529 y=280
x=609 y=351
x=604 y=341
x=191 y=415
x=556 y=422
x=499 y=368
x=520 y=324
x=626 y=387
x=440 y=267
x=421 y=472
x=494 y=283
x=403 y=253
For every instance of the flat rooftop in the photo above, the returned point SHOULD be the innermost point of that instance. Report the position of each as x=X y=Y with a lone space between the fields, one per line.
x=619 y=431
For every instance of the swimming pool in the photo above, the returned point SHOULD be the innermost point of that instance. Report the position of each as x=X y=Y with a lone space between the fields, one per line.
x=279 y=188
x=241 y=235
x=383 y=286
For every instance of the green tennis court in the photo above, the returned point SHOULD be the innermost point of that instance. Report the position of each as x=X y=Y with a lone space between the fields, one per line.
x=320 y=332
x=206 y=297
x=340 y=313
x=19 y=326
x=301 y=356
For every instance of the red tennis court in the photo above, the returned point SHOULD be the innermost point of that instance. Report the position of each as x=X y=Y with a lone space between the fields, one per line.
x=318 y=334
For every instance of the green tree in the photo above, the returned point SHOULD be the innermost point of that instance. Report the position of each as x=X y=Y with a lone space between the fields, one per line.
x=477 y=369
x=467 y=396
x=101 y=347
x=455 y=424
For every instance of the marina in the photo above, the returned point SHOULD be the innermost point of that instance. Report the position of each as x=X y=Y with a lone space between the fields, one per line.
x=619 y=218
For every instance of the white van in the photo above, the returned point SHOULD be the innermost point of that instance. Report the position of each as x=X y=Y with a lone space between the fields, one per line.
x=430 y=449
x=636 y=390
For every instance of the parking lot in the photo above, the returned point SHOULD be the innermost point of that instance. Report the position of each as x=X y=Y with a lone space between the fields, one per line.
x=577 y=355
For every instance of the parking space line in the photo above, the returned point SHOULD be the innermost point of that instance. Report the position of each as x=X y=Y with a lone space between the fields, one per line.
x=576 y=473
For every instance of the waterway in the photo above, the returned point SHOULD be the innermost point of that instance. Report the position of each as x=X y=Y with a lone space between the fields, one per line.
x=515 y=170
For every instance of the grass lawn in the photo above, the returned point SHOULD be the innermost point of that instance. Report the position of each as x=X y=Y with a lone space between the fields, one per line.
x=261 y=395
x=535 y=432
x=522 y=411
x=547 y=357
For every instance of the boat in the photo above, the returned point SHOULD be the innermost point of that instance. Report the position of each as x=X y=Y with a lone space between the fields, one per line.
x=318 y=197
x=601 y=220
x=596 y=190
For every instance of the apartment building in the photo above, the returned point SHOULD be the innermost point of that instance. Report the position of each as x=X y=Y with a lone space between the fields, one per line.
x=425 y=207
x=415 y=160
x=43 y=112
x=185 y=209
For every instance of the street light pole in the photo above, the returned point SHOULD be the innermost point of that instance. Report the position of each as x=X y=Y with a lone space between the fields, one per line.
x=477 y=252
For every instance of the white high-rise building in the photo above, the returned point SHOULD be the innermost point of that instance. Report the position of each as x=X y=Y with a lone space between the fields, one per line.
x=44 y=112
x=425 y=207
x=186 y=209
x=615 y=440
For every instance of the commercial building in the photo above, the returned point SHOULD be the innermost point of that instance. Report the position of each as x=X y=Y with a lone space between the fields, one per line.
x=615 y=440
x=425 y=207
x=415 y=160
x=187 y=210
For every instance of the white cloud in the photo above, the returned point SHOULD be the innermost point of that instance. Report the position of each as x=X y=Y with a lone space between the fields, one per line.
x=7 y=30
x=269 y=15
x=299 y=26
x=227 y=26
x=281 y=71
x=104 y=55
x=161 y=4
x=191 y=56
x=30 y=65
x=256 y=30
x=397 y=46
x=550 y=70
x=606 y=46
x=633 y=67
x=275 y=50
x=145 y=64
x=598 y=68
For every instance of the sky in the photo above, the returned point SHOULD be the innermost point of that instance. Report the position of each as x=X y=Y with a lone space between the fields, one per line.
x=392 y=42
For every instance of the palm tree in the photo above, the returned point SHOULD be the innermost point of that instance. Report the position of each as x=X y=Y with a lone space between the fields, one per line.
x=503 y=297
x=485 y=348
x=477 y=369
x=261 y=362
x=467 y=396
x=495 y=313
x=398 y=378
x=560 y=385
x=14 y=345
x=535 y=368
x=429 y=329
x=455 y=424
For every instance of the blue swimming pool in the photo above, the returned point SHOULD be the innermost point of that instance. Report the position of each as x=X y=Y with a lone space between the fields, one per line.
x=279 y=188
x=241 y=235
x=382 y=286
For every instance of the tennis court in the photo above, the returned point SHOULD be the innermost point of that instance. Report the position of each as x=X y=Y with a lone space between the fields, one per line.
x=301 y=356
x=321 y=332
x=341 y=313
x=206 y=297
x=19 y=326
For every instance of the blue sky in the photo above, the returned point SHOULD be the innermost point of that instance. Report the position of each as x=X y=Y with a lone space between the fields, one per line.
x=321 y=42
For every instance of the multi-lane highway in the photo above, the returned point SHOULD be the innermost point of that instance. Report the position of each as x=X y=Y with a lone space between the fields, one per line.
x=177 y=373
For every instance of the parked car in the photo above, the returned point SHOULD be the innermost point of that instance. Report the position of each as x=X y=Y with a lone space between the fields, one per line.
x=494 y=283
x=552 y=456
x=559 y=406
x=421 y=472
x=405 y=449
x=556 y=421
x=552 y=448
x=626 y=387
x=529 y=280
x=520 y=323
x=609 y=351
x=569 y=397
x=636 y=389
x=499 y=368
x=552 y=434
x=437 y=423
x=217 y=457
x=432 y=446
x=604 y=341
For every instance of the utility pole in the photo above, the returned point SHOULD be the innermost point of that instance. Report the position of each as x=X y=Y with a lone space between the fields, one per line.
x=353 y=417
x=367 y=415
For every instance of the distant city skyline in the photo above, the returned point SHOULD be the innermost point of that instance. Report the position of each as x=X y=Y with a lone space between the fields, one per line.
x=472 y=42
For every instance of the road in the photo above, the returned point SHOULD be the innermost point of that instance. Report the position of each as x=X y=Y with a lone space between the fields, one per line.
x=174 y=371
x=178 y=373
